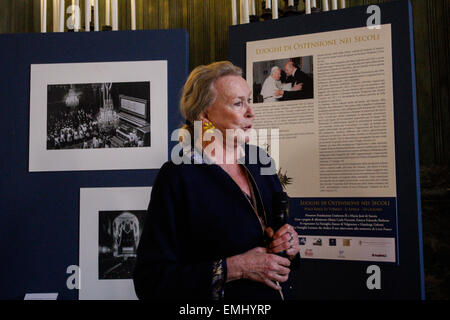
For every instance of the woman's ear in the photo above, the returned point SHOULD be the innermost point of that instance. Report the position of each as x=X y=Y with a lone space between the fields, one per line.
x=203 y=116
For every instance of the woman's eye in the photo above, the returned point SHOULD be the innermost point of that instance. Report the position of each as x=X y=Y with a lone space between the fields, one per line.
x=238 y=104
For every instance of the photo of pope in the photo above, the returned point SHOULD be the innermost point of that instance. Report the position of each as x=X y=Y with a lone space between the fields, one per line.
x=283 y=80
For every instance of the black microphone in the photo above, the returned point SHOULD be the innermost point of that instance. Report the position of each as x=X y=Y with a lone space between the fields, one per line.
x=280 y=213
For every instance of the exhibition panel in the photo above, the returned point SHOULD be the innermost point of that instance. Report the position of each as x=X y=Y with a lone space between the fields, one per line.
x=337 y=90
x=80 y=110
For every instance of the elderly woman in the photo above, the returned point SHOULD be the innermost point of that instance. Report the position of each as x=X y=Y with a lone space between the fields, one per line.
x=207 y=233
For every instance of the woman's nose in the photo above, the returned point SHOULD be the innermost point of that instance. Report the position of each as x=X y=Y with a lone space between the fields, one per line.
x=250 y=113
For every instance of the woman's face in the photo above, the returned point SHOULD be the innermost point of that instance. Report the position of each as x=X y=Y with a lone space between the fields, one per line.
x=232 y=109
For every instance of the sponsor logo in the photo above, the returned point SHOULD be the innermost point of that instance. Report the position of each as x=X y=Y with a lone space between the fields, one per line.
x=302 y=241
x=346 y=242
x=379 y=255
x=308 y=253
x=341 y=254
x=317 y=242
x=332 y=242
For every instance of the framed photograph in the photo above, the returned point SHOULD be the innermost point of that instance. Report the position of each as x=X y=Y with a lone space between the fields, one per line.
x=119 y=232
x=98 y=116
x=283 y=79
x=111 y=224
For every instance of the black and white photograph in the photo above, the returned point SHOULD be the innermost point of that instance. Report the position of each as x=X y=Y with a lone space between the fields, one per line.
x=283 y=79
x=111 y=224
x=98 y=115
x=118 y=239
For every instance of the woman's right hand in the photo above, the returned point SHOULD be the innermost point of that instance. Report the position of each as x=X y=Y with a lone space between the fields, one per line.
x=258 y=265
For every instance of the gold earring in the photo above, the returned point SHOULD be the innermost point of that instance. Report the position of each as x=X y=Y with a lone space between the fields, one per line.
x=208 y=126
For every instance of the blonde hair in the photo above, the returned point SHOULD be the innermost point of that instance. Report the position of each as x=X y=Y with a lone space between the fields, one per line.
x=199 y=92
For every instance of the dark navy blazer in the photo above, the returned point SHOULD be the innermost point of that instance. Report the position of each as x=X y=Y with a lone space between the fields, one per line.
x=196 y=216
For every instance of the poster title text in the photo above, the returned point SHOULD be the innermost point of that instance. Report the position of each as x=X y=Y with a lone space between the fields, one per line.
x=319 y=43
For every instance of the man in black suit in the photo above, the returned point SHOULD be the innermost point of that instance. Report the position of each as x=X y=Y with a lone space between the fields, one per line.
x=302 y=84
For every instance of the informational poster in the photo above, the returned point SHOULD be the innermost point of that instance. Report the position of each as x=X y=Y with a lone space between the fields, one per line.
x=330 y=95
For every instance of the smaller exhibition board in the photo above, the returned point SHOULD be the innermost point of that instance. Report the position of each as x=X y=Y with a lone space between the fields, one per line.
x=346 y=143
x=69 y=83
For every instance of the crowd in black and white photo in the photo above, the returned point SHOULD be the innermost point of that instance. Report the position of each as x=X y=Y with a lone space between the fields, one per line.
x=74 y=128
x=79 y=129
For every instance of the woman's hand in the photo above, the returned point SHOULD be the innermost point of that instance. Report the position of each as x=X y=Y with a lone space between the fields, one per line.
x=285 y=239
x=259 y=265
